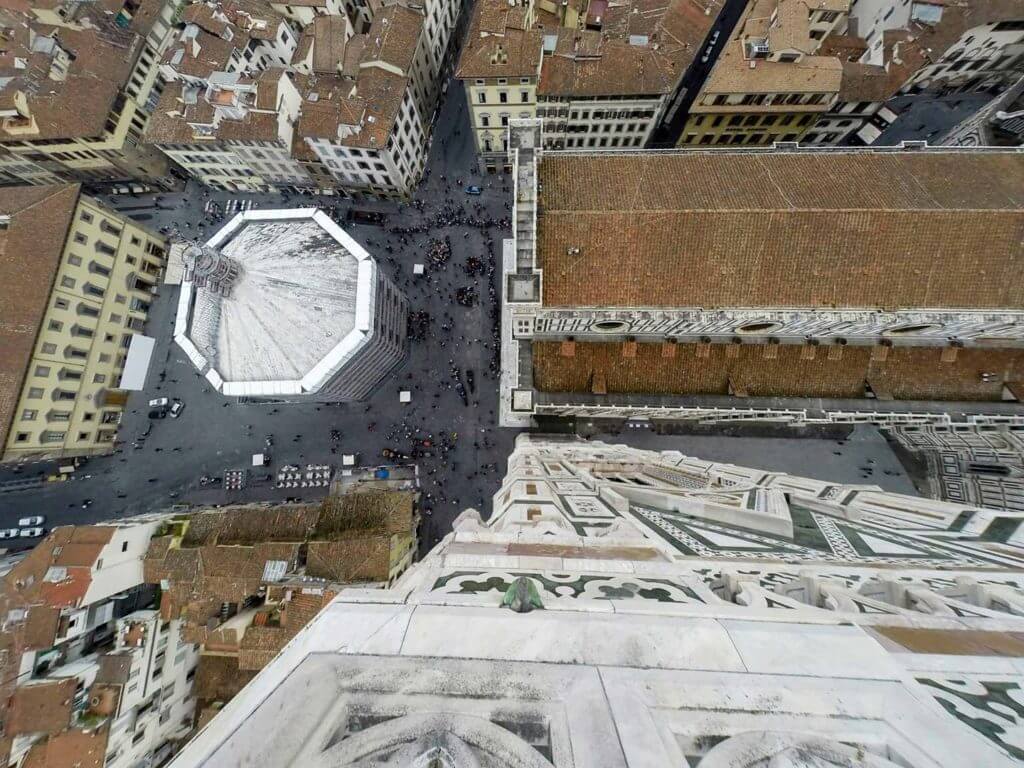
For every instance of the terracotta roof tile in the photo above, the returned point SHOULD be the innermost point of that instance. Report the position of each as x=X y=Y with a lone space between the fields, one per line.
x=70 y=749
x=42 y=707
x=853 y=229
x=907 y=373
x=41 y=627
x=102 y=56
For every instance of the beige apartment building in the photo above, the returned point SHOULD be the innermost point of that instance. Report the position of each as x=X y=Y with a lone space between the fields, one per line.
x=769 y=83
x=598 y=74
x=76 y=280
x=79 y=83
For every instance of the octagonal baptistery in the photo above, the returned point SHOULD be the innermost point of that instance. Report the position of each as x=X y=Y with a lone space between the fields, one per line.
x=283 y=304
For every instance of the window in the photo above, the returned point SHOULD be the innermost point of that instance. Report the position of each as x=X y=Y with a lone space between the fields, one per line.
x=99 y=378
x=83 y=436
x=75 y=261
x=67 y=282
x=503 y=97
x=49 y=349
x=22 y=437
x=61 y=303
x=35 y=393
x=524 y=96
x=29 y=415
x=55 y=325
x=80 y=238
x=124 y=546
x=481 y=98
x=42 y=370
x=86 y=217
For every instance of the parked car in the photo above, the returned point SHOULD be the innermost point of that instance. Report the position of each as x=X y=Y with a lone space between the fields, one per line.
x=157 y=413
x=160 y=402
x=9 y=533
x=32 y=533
x=177 y=408
x=473 y=189
x=28 y=522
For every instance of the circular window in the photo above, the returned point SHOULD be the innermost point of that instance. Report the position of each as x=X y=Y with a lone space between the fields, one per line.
x=759 y=326
x=608 y=326
x=901 y=330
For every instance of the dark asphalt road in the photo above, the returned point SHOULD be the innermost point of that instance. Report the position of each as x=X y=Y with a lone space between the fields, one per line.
x=668 y=132
x=214 y=433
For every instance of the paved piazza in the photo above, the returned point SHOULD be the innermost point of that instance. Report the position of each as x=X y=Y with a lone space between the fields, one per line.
x=215 y=434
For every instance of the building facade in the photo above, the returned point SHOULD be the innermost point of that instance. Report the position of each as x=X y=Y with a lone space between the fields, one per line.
x=625 y=608
x=71 y=316
x=342 y=108
x=305 y=12
x=909 y=58
x=232 y=133
x=91 y=671
x=79 y=111
x=365 y=119
x=616 y=313
x=597 y=75
x=770 y=83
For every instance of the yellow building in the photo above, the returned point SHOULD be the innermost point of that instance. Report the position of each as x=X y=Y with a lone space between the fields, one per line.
x=499 y=68
x=76 y=280
x=768 y=83
x=599 y=75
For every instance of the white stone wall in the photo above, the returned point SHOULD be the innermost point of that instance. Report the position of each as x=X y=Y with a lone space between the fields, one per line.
x=793 y=325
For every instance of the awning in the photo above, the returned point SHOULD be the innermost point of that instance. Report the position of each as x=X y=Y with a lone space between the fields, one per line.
x=140 y=350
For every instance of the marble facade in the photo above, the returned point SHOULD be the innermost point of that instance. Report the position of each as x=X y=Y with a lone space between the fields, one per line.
x=684 y=613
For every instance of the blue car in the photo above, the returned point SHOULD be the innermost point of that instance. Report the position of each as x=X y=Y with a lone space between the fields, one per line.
x=473 y=190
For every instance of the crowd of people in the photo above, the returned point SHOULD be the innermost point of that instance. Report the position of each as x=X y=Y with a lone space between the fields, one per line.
x=449 y=429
